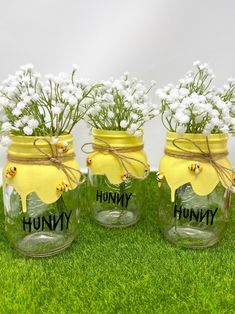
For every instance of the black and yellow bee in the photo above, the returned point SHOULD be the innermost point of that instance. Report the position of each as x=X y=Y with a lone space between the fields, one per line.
x=10 y=172
x=62 y=147
x=195 y=167
x=233 y=177
x=147 y=168
x=88 y=161
x=63 y=187
x=126 y=176
x=159 y=176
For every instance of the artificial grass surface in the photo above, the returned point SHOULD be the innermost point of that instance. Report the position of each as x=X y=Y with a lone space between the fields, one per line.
x=131 y=270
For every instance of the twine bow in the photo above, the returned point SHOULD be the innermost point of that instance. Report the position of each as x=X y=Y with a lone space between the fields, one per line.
x=118 y=153
x=51 y=158
x=222 y=171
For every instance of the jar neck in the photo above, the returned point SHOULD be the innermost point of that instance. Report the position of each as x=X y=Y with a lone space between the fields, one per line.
x=25 y=146
x=189 y=142
x=117 y=139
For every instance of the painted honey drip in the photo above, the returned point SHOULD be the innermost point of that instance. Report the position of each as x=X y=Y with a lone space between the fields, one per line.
x=104 y=163
x=202 y=176
x=41 y=179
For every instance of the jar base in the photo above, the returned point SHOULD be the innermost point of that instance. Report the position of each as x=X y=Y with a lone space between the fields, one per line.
x=43 y=244
x=116 y=218
x=192 y=238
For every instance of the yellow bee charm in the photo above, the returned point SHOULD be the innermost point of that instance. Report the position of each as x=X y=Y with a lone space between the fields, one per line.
x=10 y=172
x=233 y=177
x=62 y=147
x=63 y=187
x=195 y=167
x=88 y=161
x=147 y=168
x=126 y=176
x=159 y=176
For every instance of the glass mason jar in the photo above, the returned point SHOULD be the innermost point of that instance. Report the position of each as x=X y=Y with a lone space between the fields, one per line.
x=41 y=197
x=194 y=200
x=116 y=175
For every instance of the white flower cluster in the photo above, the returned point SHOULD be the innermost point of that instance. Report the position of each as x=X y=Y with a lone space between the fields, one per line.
x=121 y=104
x=30 y=107
x=194 y=106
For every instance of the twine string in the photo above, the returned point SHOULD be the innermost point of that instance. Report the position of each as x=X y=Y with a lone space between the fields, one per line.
x=51 y=158
x=119 y=154
x=224 y=173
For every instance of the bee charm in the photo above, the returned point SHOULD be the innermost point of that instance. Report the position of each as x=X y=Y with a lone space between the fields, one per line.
x=147 y=168
x=159 y=176
x=88 y=162
x=10 y=172
x=62 y=147
x=195 y=167
x=126 y=176
x=233 y=178
x=63 y=187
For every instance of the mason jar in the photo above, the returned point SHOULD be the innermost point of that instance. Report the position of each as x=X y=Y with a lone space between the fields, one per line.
x=41 y=195
x=194 y=201
x=117 y=169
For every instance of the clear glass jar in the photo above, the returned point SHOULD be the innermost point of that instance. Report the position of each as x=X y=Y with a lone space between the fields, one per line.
x=115 y=205
x=194 y=201
x=41 y=213
x=193 y=221
x=116 y=200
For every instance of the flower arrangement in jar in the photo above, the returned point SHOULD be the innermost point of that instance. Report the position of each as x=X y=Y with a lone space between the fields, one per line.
x=195 y=175
x=117 y=163
x=41 y=177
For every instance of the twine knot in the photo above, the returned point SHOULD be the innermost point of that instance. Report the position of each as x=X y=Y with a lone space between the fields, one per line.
x=51 y=158
x=224 y=173
x=119 y=154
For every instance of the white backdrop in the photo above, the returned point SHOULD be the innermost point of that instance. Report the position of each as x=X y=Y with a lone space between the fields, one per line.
x=152 y=39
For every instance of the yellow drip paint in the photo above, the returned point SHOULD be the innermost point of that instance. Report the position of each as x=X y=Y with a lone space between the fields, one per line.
x=176 y=172
x=41 y=179
x=105 y=163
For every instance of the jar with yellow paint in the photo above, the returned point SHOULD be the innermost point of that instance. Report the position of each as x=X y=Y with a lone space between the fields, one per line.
x=40 y=185
x=117 y=169
x=194 y=181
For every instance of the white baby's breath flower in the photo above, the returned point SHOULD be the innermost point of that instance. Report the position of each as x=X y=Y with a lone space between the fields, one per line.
x=27 y=130
x=25 y=119
x=110 y=114
x=123 y=124
x=180 y=129
x=35 y=97
x=27 y=67
x=56 y=110
x=75 y=67
x=6 y=127
x=138 y=133
x=16 y=112
x=3 y=118
x=33 y=123
x=195 y=105
x=21 y=105
x=196 y=63
x=5 y=141
x=18 y=124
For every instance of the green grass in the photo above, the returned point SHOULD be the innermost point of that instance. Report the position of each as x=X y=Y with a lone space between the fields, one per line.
x=120 y=271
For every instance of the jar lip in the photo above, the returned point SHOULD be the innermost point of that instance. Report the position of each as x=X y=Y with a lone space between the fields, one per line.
x=113 y=133
x=199 y=136
x=29 y=138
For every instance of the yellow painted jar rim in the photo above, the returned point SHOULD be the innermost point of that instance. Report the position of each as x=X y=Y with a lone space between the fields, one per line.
x=22 y=146
x=116 y=138
x=217 y=142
